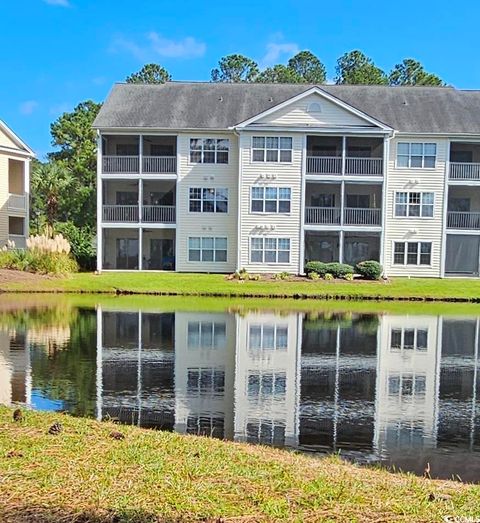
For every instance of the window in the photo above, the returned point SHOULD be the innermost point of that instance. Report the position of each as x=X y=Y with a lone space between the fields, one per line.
x=271 y=149
x=407 y=384
x=206 y=335
x=268 y=337
x=416 y=155
x=412 y=253
x=270 y=250
x=205 y=381
x=209 y=150
x=206 y=425
x=207 y=249
x=263 y=385
x=266 y=432
x=408 y=339
x=314 y=107
x=208 y=200
x=271 y=199
x=419 y=204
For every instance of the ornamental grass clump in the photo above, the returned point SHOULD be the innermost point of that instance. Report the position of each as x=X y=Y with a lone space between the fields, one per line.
x=43 y=255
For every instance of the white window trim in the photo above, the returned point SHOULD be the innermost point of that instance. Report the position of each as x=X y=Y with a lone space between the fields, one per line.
x=264 y=162
x=263 y=262
x=407 y=204
x=190 y=150
x=275 y=336
x=203 y=213
x=278 y=200
x=408 y=168
x=202 y=324
x=215 y=238
x=417 y=265
x=402 y=339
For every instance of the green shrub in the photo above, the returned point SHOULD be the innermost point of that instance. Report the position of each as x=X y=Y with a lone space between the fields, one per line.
x=282 y=275
x=313 y=275
x=315 y=266
x=339 y=270
x=82 y=243
x=38 y=261
x=328 y=276
x=370 y=269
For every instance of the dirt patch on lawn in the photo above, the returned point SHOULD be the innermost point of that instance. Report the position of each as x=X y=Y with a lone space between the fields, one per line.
x=9 y=276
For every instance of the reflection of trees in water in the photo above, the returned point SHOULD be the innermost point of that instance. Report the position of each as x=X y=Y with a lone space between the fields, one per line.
x=364 y=323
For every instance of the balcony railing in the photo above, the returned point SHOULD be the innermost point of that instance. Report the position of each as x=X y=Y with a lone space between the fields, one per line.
x=324 y=165
x=463 y=220
x=121 y=164
x=17 y=202
x=364 y=166
x=131 y=164
x=158 y=213
x=353 y=166
x=159 y=164
x=322 y=215
x=353 y=216
x=464 y=171
x=130 y=213
x=120 y=213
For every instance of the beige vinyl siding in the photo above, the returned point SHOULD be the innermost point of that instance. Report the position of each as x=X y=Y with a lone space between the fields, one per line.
x=215 y=225
x=401 y=229
x=285 y=225
x=297 y=113
x=6 y=141
x=4 y=198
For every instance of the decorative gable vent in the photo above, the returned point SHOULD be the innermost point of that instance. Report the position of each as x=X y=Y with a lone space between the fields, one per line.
x=314 y=107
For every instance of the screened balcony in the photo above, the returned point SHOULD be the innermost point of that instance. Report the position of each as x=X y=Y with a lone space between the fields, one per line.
x=322 y=204
x=17 y=197
x=464 y=161
x=139 y=154
x=463 y=211
x=363 y=205
x=328 y=155
x=121 y=201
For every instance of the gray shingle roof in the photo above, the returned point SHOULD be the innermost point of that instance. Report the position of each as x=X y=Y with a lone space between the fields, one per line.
x=179 y=105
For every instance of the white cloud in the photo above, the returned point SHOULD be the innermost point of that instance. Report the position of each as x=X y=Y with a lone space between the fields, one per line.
x=28 y=107
x=156 y=45
x=276 y=52
x=61 y=3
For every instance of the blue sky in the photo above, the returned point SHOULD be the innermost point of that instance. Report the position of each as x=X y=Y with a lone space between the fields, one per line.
x=57 y=53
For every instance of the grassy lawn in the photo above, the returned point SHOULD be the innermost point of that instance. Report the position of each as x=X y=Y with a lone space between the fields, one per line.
x=82 y=474
x=218 y=285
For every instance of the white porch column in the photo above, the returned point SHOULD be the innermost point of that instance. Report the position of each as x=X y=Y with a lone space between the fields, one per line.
x=140 y=249
x=140 y=154
x=99 y=204
x=140 y=200
x=341 y=239
x=344 y=153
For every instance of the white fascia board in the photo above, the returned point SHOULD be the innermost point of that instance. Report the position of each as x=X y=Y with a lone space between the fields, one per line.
x=316 y=130
x=16 y=152
x=323 y=94
x=14 y=137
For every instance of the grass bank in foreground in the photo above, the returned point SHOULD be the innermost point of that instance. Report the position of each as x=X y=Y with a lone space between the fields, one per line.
x=83 y=474
x=218 y=285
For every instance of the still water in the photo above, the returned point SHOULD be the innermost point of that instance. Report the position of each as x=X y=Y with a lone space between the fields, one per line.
x=382 y=388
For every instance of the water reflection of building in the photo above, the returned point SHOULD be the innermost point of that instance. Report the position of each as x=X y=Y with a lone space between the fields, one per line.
x=15 y=370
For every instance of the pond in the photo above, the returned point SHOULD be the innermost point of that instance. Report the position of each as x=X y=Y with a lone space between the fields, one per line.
x=394 y=385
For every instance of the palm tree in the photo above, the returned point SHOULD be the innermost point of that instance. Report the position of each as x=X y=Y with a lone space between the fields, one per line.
x=50 y=181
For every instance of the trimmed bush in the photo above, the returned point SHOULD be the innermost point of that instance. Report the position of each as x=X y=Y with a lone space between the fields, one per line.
x=38 y=261
x=319 y=268
x=339 y=270
x=369 y=269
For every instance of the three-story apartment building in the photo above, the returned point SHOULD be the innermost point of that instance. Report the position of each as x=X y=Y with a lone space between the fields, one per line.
x=203 y=177
x=15 y=156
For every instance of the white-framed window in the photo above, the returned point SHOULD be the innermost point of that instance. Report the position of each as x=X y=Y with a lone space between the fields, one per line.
x=263 y=385
x=270 y=199
x=407 y=384
x=412 y=253
x=266 y=432
x=205 y=381
x=272 y=149
x=269 y=250
x=416 y=155
x=208 y=199
x=414 y=204
x=404 y=338
x=267 y=337
x=207 y=249
x=206 y=335
x=209 y=150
